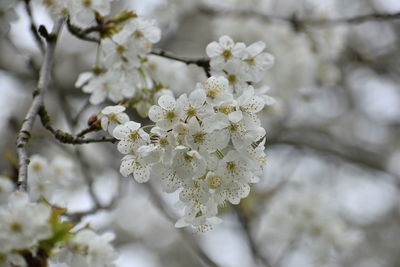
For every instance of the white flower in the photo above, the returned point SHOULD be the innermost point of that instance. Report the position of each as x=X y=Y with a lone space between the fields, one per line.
x=235 y=168
x=161 y=148
x=170 y=182
x=116 y=52
x=83 y=11
x=200 y=139
x=200 y=209
x=100 y=86
x=257 y=62
x=248 y=104
x=23 y=224
x=112 y=116
x=87 y=249
x=134 y=165
x=194 y=105
x=57 y=7
x=166 y=116
x=188 y=164
x=139 y=35
x=131 y=137
x=224 y=51
x=236 y=74
x=217 y=89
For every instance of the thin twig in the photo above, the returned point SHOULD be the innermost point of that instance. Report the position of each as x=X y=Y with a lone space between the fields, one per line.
x=90 y=129
x=38 y=96
x=82 y=34
x=67 y=138
x=33 y=26
x=201 y=62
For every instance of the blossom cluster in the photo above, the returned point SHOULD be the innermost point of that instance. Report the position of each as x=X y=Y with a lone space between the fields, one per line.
x=208 y=145
x=86 y=249
x=27 y=227
x=240 y=64
x=22 y=224
x=120 y=72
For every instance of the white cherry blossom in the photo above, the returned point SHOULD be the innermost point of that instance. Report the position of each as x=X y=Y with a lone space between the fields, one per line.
x=23 y=223
x=138 y=35
x=83 y=11
x=87 y=249
x=200 y=139
x=166 y=115
x=217 y=89
x=194 y=105
x=112 y=116
x=134 y=165
x=256 y=61
x=226 y=50
x=188 y=164
x=101 y=86
x=131 y=137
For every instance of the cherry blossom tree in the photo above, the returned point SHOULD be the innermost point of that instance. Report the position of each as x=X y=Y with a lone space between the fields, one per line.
x=191 y=133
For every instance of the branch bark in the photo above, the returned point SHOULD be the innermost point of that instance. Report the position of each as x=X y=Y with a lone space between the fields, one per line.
x=201 y=62
x=38 y=97
x=33 y=26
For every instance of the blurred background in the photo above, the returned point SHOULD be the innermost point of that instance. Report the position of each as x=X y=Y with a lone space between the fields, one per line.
x=330 y=191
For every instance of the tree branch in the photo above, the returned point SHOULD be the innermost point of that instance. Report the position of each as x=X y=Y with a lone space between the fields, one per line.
x=83 y=34
x=67 y=138
x=38 y=96
x=201 y=62
x=33 y=26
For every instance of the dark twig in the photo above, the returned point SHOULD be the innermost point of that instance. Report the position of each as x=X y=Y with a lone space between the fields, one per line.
x=33 y=26
x=83 y=34
x=201 y=62
x=90 y=129
x=68 y=138
x=38 y=97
